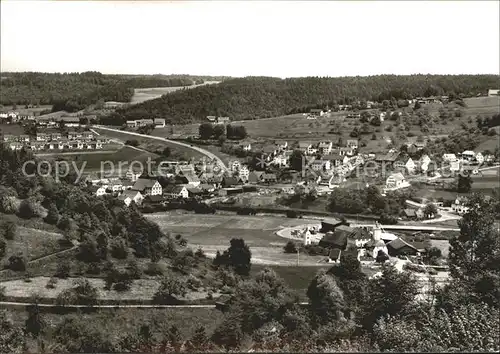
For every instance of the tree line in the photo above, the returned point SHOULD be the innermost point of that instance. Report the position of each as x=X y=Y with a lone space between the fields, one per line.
x=75 y=91
x=261 y=97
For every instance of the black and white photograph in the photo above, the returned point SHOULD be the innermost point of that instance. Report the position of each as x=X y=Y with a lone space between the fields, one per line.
x=249 y=176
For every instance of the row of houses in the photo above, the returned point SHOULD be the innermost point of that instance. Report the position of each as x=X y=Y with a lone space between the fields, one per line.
x=59 y=145
x=157 y=122
x=218 y=120
x=56 y=141
x=46 y=137
x=14 y=117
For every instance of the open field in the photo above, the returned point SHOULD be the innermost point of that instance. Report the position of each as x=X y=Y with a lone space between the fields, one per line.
x=93 y=159
x=151 y=144
x=32 y=243
x=141 y=289
x=151 y=93
x=491 y=143
x=482 y=105
x=22 y=110
x=220 y=229
x=123 y=322
x=213 y=233
x=14 y=129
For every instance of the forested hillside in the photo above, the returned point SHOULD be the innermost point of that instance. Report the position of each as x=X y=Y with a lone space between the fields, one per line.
x=260 y=97
x=75 y=91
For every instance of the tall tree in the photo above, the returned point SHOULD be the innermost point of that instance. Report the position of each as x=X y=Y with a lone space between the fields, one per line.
x=325 y=299
x=238 y=256
x=464 y=184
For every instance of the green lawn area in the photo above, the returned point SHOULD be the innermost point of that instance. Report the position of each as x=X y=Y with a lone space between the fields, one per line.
x=123 y=154
x=32 y=243
x=220 y=229
x=154 y=145
x=14 y=129
x=122 y=322
x=296 y=277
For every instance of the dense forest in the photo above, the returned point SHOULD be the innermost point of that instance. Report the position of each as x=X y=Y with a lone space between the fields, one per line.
x=75 y=91
x=261 y=97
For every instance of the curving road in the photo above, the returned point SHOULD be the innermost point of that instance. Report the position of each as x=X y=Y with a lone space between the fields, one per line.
x=207 y=153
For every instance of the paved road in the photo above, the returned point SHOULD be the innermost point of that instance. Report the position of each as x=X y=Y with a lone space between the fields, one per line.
x=23 y=304
x=76 y=153
x=207 y=153
x=409 y=227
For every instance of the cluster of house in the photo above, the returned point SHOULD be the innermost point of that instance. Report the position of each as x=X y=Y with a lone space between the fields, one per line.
x=365 y=243
x=85 y=140
x=49 y=120
x=184 y=182
x=157 y=123
x=218 y=120
x=14 y=117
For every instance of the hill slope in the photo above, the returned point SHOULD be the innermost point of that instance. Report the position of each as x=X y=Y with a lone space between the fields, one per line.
x=75 y=91
x=261 y=97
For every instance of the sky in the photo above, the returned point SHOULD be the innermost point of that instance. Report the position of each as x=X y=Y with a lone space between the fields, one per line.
x=232 y=38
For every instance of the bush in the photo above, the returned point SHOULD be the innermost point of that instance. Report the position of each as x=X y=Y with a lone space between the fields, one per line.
x=134 y=270
x=27 y=277
x=132 y=142
x=8 y=230
x=82 y=293
x=17 y=263
x=52 y=283
x=414 y=268
x=119 y=249
x=63 y=269
x=3 y=247
x=381 y=257
x=27 y=209
x=154 y=269
x=94 y=268
x=199 y=253
x=386 y=219
x=193 y=283
x=291 y=214
x=316 y=250
x=290 y=247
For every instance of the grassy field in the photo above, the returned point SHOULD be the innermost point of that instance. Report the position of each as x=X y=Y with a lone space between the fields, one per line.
x=491 y=143
x=14 y=129
x=213 y=233
x=152 y=144
x=93 y=160
x=122 y=322
x=482 y=105
x=146 y=94
x=296 y=277
x=32 y=243
x=23 y=111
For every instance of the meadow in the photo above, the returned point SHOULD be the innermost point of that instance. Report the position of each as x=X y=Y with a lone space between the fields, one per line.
x=151 y=93
x=213 y=233
x=152 y=144
x=93 y=159
x=32 y=243
x=120 y=322
x=14 y=129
